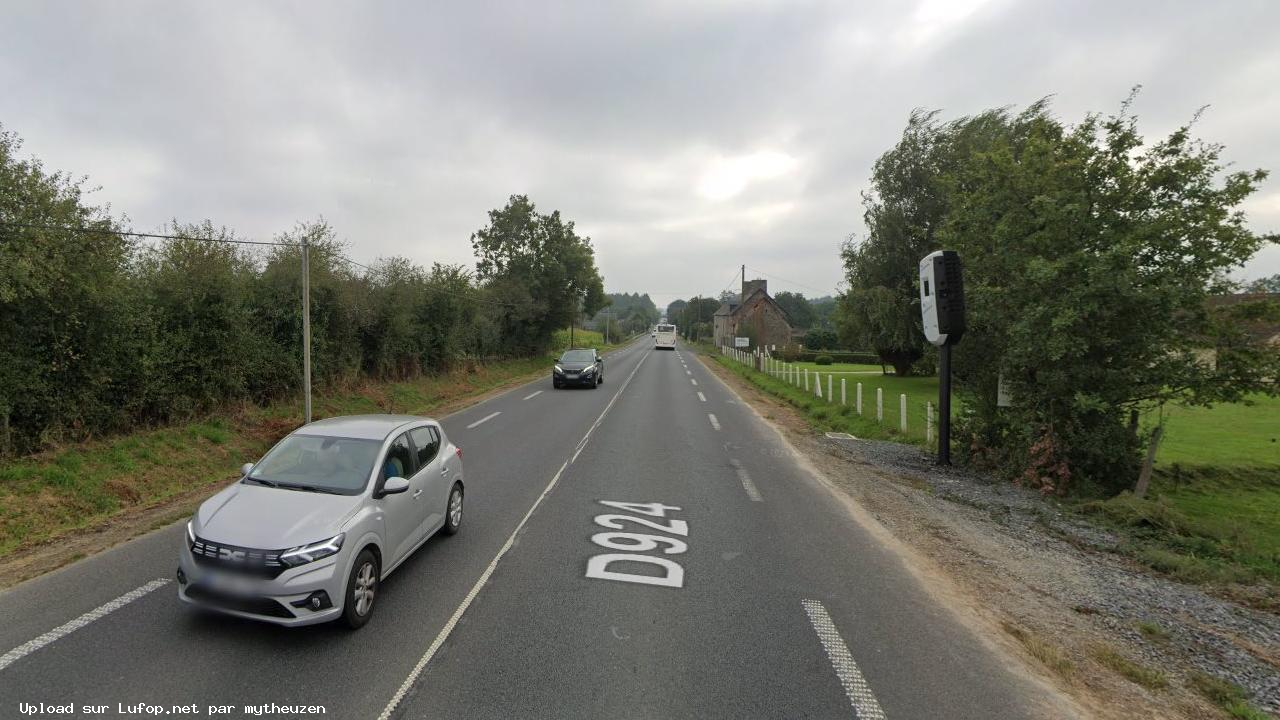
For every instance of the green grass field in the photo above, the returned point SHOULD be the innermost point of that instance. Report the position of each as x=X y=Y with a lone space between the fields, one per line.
x=1233 y=435
x=1213 y=511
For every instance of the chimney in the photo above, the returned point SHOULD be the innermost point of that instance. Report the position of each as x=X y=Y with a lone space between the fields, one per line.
x=749 y=286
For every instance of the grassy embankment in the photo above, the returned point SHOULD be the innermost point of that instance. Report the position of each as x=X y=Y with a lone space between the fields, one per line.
x=84 y=485
x=1213 y=512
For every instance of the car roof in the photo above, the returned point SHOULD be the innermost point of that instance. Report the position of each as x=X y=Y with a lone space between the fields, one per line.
x=364 y=427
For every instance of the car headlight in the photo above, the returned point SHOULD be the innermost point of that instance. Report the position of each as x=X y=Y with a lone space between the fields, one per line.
x=589 y=370
x=304 y=554
x=191 y=532
x=559 y=369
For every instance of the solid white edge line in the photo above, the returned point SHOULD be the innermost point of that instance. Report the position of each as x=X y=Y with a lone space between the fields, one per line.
x=533 y=395
x=855 y=685
x=31 y=646
x=484 y=577
x=714 y=422
x=484 y=419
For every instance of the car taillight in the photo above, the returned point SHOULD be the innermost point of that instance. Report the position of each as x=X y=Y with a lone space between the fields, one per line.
x=458 y=451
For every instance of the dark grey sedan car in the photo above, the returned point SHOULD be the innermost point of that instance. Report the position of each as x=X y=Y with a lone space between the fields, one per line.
x=578 y=367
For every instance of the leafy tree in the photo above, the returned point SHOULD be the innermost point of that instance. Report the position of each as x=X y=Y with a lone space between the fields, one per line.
x=821 y=339
x=798 y=310
x=1090 y=256
x=1264 y=285
x=99 y=333
x=676 y=310
x=823 y=308
x=543 y=256
x=65 y=309
x=1069 y=235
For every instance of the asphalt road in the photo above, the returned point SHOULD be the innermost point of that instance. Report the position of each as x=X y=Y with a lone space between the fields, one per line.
x=754 y=595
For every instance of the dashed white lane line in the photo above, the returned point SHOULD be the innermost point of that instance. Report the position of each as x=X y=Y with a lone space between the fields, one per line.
x=702 y=397
x=695 y=382
x=714 y=422
x=27 y=648
x=855 y=685
x=688 y=372
x=488 y=571
x=485 y=419
x=532 y=395
x=752 y=491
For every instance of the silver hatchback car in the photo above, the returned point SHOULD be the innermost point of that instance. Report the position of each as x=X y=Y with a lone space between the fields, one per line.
x=310 y=530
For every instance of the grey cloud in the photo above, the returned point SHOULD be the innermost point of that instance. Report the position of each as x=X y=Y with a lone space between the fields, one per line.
x=404 y=123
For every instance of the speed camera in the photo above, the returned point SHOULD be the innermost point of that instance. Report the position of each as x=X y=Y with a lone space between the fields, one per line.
x=942 y=297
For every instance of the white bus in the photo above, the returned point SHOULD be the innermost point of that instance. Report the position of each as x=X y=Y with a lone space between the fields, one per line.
x=664 y=336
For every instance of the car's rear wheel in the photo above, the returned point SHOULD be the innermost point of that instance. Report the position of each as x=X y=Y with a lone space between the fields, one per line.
x=362 y=589
x=453 y=513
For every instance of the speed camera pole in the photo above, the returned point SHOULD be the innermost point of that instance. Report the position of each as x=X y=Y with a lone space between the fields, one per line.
x=944 y=405
x=942 y=310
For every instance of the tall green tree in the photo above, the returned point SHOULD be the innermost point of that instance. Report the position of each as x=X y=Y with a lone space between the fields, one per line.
x=1090 y=258
x=542 y=258
x=798 y=310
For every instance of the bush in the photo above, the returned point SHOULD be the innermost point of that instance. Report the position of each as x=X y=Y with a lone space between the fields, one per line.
x=823 y=360
x=792 y=354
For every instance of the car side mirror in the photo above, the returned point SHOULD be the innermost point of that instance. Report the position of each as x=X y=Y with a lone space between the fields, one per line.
x=393 y=486
x=246 y=468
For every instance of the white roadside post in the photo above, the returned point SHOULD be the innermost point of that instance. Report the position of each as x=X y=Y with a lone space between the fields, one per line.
x=902 y=412
x=817 y=385
x=879 y=405
x=806 y=379
x=843 y=396
x=859 y=398
x=830 y=397
x=928 y=422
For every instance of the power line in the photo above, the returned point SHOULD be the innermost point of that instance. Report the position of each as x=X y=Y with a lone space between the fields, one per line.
x=790 y=282
x=154 y=236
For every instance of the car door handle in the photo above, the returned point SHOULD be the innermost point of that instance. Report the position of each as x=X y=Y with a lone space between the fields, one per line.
x=417 y=492
x=444 y=472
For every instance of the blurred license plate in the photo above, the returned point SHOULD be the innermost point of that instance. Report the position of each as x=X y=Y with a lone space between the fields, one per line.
x=230 y=584
x=572 y=375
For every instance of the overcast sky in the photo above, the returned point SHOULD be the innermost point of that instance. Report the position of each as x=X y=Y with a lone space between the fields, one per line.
x=684 y=138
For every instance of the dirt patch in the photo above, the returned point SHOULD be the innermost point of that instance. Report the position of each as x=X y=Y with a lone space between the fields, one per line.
x=1041 y=585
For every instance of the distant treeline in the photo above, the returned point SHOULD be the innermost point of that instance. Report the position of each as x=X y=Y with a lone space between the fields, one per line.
x=100 y=332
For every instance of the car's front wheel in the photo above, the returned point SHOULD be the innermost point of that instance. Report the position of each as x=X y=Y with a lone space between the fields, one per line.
x=362 y=589
x=453 y=513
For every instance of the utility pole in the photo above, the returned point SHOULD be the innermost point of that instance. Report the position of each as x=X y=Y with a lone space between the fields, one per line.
x=306 y=327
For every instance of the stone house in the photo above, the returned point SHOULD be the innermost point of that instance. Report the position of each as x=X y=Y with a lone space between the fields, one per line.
x=754 y=315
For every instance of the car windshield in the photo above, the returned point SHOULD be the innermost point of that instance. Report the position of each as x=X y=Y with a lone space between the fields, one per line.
x=578 y=356
x=666 y=328
x=320 y=464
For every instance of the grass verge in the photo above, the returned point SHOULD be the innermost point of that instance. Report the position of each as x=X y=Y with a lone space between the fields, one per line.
x=1111 y=658
x=1210 y=526
x=1050 y=655
x=828 y=414
x=1227 y=695
x=84 y=486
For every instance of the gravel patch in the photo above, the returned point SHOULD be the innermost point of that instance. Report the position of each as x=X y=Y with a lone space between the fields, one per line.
x=1072 y=564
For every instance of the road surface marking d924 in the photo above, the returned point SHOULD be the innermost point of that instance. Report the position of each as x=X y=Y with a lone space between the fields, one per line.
x=634 y=543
